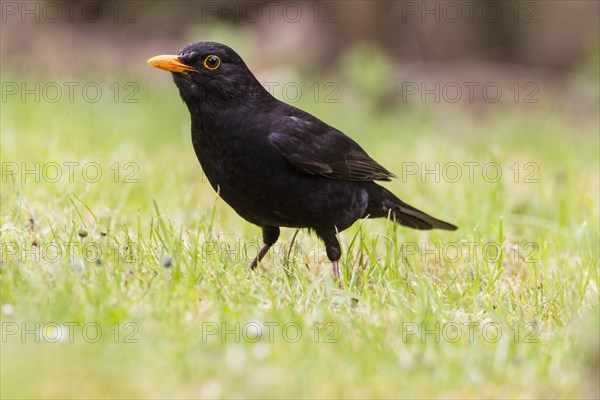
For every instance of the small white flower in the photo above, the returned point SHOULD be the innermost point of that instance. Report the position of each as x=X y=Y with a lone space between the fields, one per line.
x=211 y=390
x=8 y=309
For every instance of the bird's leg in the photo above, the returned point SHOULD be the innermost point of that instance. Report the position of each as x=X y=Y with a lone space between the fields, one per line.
x=336 y=270
x=261 y=254
x=334 y=252
x=270 y=236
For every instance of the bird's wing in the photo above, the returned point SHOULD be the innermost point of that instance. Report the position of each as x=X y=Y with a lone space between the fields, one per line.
x=320 y=149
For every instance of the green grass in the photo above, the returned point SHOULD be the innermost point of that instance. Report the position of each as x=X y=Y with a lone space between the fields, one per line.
x=527 y=316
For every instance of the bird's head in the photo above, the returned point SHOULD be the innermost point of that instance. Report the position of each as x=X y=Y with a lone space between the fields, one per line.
x=209 y=73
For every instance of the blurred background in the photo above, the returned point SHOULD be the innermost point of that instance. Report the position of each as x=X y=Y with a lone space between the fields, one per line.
x=551 y=43
x=419 y=84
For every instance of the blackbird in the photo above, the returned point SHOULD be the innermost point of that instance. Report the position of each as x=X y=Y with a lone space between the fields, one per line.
x=274 y=164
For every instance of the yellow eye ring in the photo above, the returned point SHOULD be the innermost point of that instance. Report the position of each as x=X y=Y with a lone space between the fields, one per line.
x=212 y=62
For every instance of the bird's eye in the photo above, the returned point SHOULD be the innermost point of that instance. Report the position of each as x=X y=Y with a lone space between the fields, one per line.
x=212 y=62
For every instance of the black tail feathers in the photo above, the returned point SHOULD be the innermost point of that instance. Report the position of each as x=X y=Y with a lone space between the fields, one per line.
x=383 y=203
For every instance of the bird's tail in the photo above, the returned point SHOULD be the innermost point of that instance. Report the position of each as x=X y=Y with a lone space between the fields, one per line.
x=382 y=203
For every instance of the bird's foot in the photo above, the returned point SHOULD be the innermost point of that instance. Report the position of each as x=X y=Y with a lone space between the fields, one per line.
x=254 y=263
x=336 y=273
x=263 y=251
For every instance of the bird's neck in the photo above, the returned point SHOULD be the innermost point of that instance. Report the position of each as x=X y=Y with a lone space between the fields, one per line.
x=217 y=113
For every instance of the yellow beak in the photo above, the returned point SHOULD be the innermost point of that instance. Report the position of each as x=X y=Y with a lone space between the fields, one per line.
x=169 y=63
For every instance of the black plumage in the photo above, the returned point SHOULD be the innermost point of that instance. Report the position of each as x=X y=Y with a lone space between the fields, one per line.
x=274 y=164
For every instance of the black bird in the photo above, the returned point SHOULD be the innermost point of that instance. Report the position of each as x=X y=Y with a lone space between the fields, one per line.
x=274 y=164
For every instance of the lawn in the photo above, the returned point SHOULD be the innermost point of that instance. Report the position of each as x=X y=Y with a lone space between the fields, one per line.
x=123 y=275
